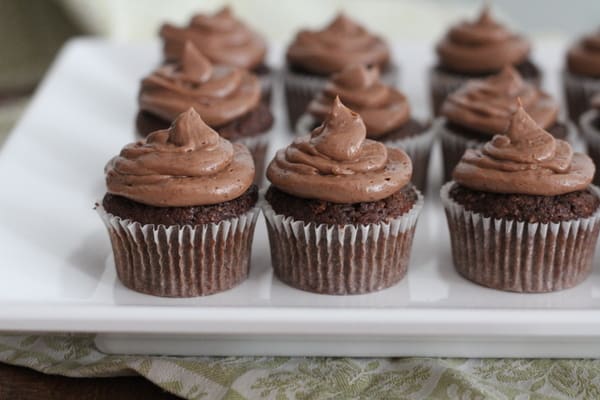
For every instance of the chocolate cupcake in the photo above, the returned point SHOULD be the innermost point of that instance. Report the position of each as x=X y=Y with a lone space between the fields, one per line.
x=180 y=210
x=313 y=56
x=483 y=108
x=227 y=98
x=341 y=211
x=581 y=78
x=590 y=126
x=224 y=40
x=521 y=212
x=477 y=49
x=384 y=110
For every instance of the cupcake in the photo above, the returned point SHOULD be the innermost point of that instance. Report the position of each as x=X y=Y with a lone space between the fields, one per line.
x=483 y=108
x=224 y=40
x=227 y=98
x=581 y=78
x=315 y=55
x=590 y=126
x=341 y=211
x=477 y=49
x=384 y=110
x=521 y=212
x=180 y=210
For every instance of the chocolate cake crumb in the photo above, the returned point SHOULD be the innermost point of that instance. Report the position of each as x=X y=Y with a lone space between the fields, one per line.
x=128 y=209
x=527 y=208
x=325 y=212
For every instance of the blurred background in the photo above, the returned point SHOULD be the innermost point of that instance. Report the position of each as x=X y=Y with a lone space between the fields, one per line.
x=32 y=31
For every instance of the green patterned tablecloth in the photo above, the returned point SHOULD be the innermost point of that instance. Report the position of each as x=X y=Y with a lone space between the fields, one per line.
x=313 y=378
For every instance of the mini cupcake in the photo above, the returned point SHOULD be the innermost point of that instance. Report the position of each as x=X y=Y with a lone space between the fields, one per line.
x=224 y=40
x=590 y=126
x=521 y=212
x=313 y=56
x=384 y=110
x=476 y=50
x=180 y=211
x=581 y=78
x=483 y=108
x=227 y=98
x=341 y=211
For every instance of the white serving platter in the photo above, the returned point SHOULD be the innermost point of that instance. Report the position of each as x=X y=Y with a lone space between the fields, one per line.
x=57 y=274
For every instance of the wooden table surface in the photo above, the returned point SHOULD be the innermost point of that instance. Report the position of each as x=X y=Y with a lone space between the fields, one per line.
x=18 y=383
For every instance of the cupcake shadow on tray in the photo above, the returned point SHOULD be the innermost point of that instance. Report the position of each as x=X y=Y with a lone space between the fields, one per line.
x=344 y=197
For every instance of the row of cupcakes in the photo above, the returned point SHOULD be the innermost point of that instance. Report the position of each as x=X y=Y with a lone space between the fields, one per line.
x=470 y=49
x=341 y=212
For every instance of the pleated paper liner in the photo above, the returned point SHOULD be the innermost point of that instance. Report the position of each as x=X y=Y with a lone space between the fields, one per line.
x=455 y=145
x=300 y=89
x=591 y=134
x=341 y=260
x=258 y=146
x=267 y=81
x=518 y=256
x=181 y=261
x=418 y=147
x=441 y=84
x=579 y=90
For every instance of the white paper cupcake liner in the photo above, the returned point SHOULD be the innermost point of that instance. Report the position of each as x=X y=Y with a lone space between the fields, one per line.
x=591 y=134
x=258 y=146
x=579 y=90
x=341 y=260
x=518 y=256
x=300 y=89
x=441 y=84
x=181 y=261
x=267 y=81
x=454 y=145
x=418 y=147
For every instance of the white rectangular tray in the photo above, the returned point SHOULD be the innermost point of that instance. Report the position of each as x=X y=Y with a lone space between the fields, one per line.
x=57 y=274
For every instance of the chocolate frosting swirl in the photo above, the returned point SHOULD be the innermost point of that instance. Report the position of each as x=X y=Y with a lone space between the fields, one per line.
x=188 y=164
x=527 y=160
x=220 y=37
x=486 y=105
x=583 y=57
x=337 y=163
x=381 y=108
x=341 y=43
x=481 y=46
x=220 y=94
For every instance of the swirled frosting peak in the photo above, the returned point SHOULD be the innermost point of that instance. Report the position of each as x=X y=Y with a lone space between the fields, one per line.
x=583 y=57
x=337 y=163
x=487 y=105
x=341 y=43
x=381 y=107
x=220 y=94
x=221 y=37
x=481 y=46
x=188 y=164
x=527 y=160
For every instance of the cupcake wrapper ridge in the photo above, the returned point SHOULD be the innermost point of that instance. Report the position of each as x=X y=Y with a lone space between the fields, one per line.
x=592 y=139
x=258 y=146
x=181 y=261
x=518 y=256
x=340 y=260
x=579 y=90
